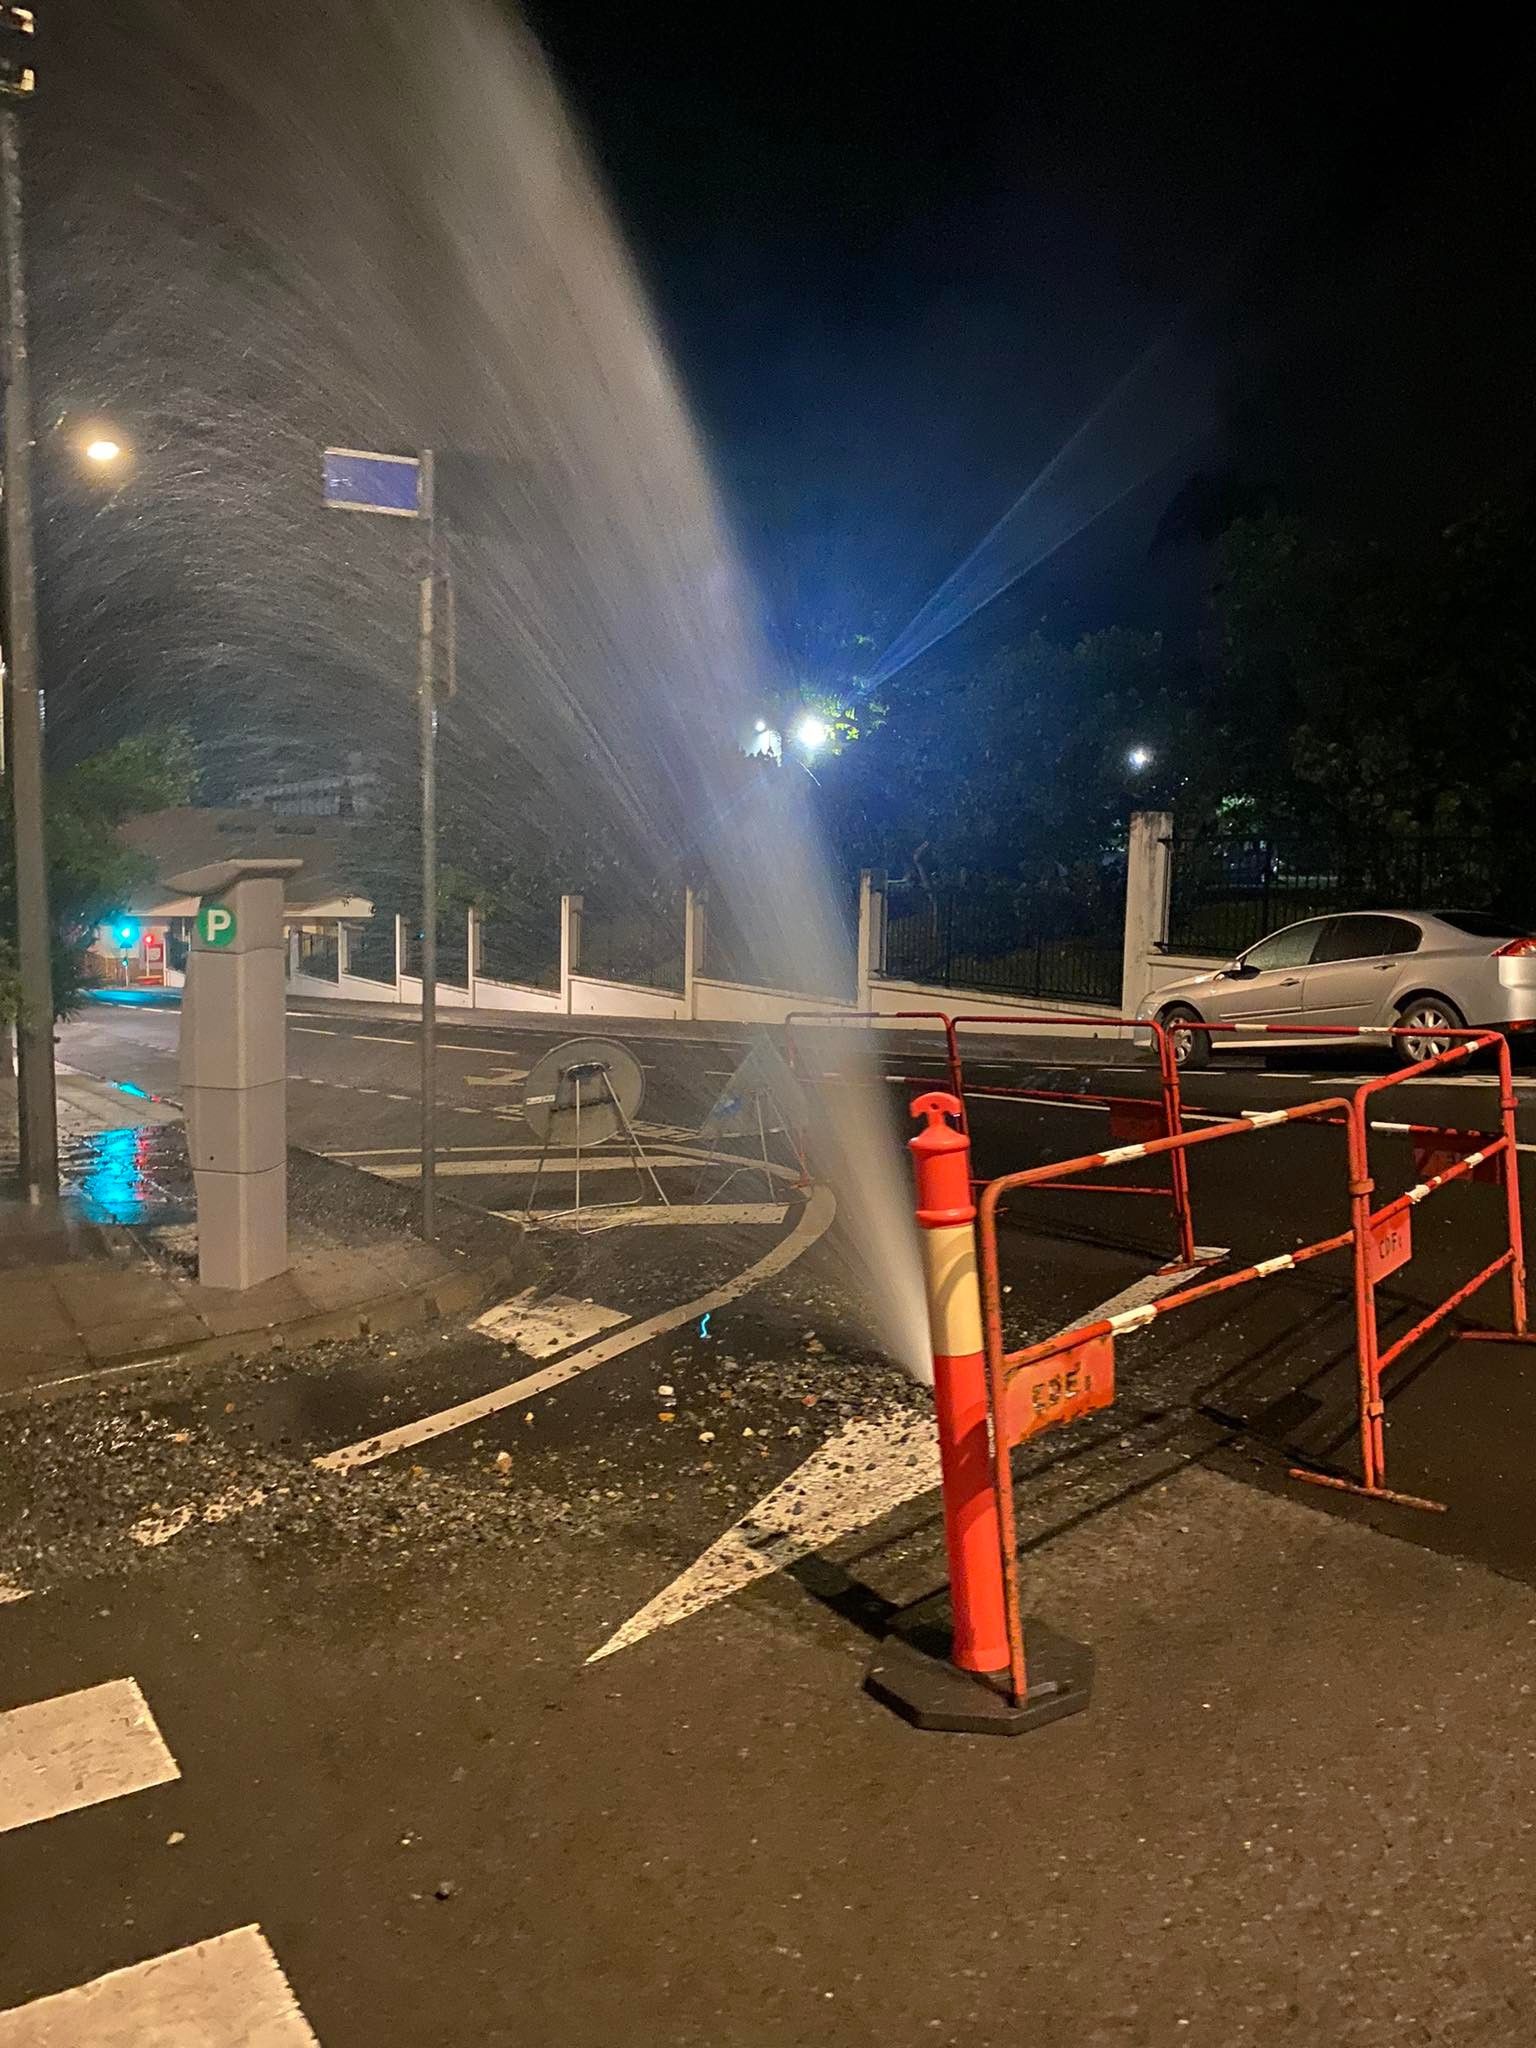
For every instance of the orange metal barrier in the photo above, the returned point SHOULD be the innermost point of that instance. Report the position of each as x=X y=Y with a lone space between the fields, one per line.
x=1133 y=1117
x=1383 y=1244
x=1071 y=1374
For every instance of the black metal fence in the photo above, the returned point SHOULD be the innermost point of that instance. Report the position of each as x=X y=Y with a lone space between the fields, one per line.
x=452 y=948
x=521 y=948
x=318 y=951
x=1227 y=893
x=763 y=948
x=371 y=949
x=1019 y=941
x=634 y=940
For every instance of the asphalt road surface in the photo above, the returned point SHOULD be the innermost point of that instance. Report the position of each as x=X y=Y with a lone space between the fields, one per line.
x=366 y=1720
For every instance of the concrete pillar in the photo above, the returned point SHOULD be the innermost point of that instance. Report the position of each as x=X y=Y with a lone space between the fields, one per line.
x=399 y=957
x=693 y=947
x=1148 y=874
x=234 y=1069
x=341 y=950
x=473 y=971
x=871 y=935
x=292 y=944
x=570 y=946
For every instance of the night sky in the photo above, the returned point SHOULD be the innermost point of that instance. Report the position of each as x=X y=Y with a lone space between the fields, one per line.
x=897 y=256
x=898 y=259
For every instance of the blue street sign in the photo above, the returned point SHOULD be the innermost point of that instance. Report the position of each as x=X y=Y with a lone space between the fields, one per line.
x=358 y=481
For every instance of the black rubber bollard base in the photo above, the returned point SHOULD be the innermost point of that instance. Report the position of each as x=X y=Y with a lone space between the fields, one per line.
x=911 y=1674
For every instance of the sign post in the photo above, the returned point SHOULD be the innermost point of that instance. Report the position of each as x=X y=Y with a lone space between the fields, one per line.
x=401 y=487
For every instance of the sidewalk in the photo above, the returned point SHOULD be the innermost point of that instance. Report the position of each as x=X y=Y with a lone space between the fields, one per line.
x=111 y=1280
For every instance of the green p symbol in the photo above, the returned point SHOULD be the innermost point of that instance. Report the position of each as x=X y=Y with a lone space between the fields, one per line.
x=215 y=924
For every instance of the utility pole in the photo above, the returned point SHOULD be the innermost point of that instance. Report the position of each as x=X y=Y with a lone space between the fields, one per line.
x=34 y=931
x=404 y=487
x=426 y=687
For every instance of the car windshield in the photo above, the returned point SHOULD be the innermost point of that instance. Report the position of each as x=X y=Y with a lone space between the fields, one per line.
x=1478 y=925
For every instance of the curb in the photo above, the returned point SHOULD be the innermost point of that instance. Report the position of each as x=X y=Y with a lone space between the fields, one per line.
x=431 y=1301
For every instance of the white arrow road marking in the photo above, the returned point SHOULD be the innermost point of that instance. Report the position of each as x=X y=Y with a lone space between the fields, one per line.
x=541 y=1328
x=870 y=1467
x=815 y=1218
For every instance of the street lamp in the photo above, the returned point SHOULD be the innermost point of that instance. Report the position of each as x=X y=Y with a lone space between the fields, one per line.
x=812 y=732
x=1139 y=758
x=103 y=451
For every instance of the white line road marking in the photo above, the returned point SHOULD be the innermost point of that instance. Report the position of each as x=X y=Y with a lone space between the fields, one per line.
x=83 y=1747
x=370 y=1038
x=501 y=1080
x=449 y=1169
x=541 y=1328
x=315 y=1031
x=676 y=1213
x=870 y=1467
x=229 y=1992
x=815 y=1219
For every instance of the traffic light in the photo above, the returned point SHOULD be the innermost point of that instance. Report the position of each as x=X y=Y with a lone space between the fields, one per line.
x=18 y=25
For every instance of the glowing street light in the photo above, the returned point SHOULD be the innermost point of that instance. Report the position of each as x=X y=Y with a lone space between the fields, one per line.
x=103 y=450
x=812 y=733
x=1139 y=758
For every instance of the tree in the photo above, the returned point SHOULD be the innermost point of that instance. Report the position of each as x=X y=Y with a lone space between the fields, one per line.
x=90 y=872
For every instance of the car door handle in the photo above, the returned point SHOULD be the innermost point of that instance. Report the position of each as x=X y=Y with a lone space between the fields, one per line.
x=1291 y=981
x=1385 y=966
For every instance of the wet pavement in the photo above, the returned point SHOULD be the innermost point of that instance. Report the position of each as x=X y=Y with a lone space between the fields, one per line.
x=1293 y=1812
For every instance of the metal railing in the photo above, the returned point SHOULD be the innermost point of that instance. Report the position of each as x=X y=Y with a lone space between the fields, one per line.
x=1000 y=941
x=1228 y=893
x=371 y=950
x=632 y=940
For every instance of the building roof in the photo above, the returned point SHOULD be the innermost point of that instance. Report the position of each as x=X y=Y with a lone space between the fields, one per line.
x=177 y=841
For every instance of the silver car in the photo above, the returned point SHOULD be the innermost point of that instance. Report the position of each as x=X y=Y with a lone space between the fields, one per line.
x=1428 y=972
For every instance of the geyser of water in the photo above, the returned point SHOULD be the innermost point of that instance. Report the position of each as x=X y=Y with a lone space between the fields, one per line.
x=372 y=225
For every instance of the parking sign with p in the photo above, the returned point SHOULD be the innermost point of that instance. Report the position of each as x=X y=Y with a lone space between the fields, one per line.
x=215 y=924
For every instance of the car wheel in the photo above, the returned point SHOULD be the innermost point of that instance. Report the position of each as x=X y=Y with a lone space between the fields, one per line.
x=1430 y=1020
x=1191 y=1045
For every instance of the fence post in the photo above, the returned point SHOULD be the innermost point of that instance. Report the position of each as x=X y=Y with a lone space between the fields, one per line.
x=472 y=967
x=399 y=958
x=570 y=946
x=343 y=951
x=871 y=936
x=292 y=937
x=693 y=946
x=1148 y=877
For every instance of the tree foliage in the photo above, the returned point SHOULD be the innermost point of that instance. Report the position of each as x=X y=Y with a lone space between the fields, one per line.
x=90 y=871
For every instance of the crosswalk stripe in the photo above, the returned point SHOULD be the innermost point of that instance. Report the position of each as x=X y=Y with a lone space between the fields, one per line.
x=61 y=1754
x=227 y=1992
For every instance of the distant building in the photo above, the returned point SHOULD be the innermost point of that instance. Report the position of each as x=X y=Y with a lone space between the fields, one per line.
x=147 y=941
x=352 y=792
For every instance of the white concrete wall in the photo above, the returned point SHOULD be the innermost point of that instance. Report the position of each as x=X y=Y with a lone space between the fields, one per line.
x=889 y=996
x=511 y=995
x=589 y=997
x=737 y=1002
x=448 y=997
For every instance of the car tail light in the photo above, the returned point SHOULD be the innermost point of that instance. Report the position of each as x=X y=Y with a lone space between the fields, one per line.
x=1514 y=948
